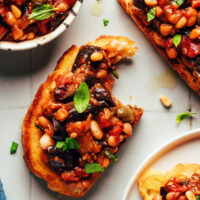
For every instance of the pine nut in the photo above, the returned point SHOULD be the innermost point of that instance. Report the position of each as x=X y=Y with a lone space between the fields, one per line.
x=46 y=141
x=96 y=56
x=16 y=11
x=128 y=129
x=165 y=101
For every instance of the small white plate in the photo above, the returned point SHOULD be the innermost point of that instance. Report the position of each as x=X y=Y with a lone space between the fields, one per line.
x=182 y=149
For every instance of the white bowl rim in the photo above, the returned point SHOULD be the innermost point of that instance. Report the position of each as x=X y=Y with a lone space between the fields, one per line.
x=39 y=41
x=178 y=140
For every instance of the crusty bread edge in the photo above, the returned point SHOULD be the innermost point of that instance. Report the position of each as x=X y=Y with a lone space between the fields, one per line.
x=176 y=64
x=28 y=129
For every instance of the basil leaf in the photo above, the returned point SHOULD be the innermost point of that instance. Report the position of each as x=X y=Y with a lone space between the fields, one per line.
x=111 y=156
x=42 y=12
x=39 y=127
x=60 y=144
x=2 y=193
x=13 y=148
x=176 y=40
x=182 y=116
x=198 y=197
x=178 y=2
x=81 y=98
x=105 y=22
x=115 y=73
x=70 y=143
x=93 y=168
x=151 y=14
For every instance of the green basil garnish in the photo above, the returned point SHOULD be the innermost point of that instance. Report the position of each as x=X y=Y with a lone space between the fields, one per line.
x=176 y=40
x=111 y=156
x=13 y=148
x=151 y=14
x=42 y=12
x=182 y=116
x=198 y=197
x=81 y=98
x=105 y=22
x=69 y=143
x=115 y=74
x=178 y=2
x=93 y=168
x=39 y=127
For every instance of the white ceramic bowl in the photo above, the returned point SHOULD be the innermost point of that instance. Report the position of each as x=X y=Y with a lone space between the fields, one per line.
x=30 y=44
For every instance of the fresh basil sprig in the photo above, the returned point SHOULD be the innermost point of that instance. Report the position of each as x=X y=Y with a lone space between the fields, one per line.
x=42 y=12
x=182 y=116
x=13 y=148
x=176 y=40
x=82 y=98
x=198 y=197
x=111 y=156
x=93 y=168
x=69 y=143
x=105 y=22
x=178 y=2
x=151 y=14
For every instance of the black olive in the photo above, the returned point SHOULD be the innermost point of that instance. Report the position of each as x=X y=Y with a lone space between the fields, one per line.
x=163 y=193
x=139 y=4
x=59 y=130
x=57 y=165
x=60 y=92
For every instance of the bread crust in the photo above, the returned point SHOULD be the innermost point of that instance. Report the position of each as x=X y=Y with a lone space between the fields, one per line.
x=151 y=181
x=184 y=67
x=34 y=156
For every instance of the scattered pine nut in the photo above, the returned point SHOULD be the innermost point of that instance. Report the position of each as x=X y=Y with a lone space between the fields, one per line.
x=165 y=101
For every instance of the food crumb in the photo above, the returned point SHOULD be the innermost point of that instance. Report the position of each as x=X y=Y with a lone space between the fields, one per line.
x=130 y=97
x=166 y=102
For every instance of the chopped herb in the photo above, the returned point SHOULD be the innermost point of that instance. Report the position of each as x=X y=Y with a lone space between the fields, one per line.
x=182 y=116
x=93 y=168
x=111 y=156
x=13 y=148
x=115 y=73
x=38 y=126
x=176 y=40
x=151 y=14
x=178 y=2
x=60 y=144
x=105 y=22
x=81 y=98
x=42 y=12
x=69 y=143
x=198 y=197
x=2 y=193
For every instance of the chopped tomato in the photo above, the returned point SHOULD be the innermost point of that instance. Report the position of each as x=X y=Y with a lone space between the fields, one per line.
x=69 y=176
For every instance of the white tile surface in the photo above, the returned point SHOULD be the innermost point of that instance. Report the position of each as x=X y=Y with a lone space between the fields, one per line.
x=21 y=74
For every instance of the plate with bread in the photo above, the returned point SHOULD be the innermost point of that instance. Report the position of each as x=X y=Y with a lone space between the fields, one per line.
x=171 y=172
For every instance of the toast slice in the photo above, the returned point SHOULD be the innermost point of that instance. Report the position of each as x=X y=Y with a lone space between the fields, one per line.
x=67 y=142
x=186 y=67
x=177 y=182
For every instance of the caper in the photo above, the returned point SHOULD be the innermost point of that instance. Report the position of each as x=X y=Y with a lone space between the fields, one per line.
x=126 y=113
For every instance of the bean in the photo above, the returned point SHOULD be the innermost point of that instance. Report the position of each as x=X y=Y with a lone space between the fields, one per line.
x=158 y=39
x=151 y=3
x=171 y=52
x=96 y=130
x=165 y=29
x=96 y=56
x=128 y=129
x=112 y=141
x=195 y=33
x=181 y=23
x=46 y=141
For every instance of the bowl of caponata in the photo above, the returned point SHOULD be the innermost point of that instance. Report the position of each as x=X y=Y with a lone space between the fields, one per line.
x=26 y=24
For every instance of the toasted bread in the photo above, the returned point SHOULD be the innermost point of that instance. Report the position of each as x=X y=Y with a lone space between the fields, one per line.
x=182 y=65
x=151 y=181
x=116 y=48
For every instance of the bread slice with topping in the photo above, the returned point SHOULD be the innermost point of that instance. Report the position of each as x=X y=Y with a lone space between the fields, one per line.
x=74 y=126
